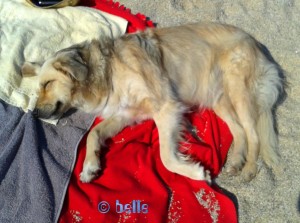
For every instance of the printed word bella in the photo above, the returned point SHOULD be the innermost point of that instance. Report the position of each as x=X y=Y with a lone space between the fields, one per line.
x=136 y=206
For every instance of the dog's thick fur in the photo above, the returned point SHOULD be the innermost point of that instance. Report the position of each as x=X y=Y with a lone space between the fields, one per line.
x=159 y=74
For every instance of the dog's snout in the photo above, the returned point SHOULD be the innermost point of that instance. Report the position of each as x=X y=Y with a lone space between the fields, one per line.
x=45 y=111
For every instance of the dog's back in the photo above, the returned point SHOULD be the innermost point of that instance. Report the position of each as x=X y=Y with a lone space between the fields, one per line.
x=219 y=67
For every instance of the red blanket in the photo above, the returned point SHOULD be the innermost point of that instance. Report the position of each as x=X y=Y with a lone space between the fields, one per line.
x=134 y=186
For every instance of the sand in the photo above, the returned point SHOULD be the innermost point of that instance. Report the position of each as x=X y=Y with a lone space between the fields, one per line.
x=276 y=24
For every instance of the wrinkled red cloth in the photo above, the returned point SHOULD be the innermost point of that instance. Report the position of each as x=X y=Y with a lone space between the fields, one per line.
x=134 y=186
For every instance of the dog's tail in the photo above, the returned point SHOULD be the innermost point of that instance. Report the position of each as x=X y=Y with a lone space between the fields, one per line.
x=270 y=93
x=268 y=139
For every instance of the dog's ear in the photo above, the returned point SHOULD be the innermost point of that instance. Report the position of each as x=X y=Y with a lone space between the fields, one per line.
x=73 y=64
x=30 y=69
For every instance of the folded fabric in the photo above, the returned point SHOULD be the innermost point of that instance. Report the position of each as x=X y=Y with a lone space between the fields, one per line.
x=33 y=34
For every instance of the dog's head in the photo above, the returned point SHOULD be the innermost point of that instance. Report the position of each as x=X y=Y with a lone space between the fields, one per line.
x=59 y=77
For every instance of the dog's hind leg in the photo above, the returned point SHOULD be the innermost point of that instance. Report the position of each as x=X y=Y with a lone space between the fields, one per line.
x=244 y=106
x=168 y=120
x=239 y=73
x=247 y=117
x=223 y=108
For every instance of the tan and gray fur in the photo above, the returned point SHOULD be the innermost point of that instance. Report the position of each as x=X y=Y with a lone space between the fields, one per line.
x=159 y=74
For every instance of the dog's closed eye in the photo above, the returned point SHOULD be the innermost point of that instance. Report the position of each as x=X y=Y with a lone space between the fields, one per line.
x=48 y=85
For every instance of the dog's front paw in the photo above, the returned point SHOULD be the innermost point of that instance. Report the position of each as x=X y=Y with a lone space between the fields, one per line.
x=90 y=171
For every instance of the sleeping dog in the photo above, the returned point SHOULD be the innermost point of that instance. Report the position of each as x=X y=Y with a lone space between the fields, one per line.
x=159 y=74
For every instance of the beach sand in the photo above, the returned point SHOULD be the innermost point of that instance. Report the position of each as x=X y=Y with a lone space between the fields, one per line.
x=276 y=24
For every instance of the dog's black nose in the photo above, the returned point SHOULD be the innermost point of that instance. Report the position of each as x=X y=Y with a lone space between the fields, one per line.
x=35 y=112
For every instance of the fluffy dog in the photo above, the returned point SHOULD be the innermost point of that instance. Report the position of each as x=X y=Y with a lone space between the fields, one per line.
x=158 y=74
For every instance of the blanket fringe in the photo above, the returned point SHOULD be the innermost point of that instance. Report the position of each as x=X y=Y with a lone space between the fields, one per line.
x=136 y=22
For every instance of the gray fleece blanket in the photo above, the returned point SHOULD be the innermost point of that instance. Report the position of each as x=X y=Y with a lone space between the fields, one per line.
x=34 y=170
